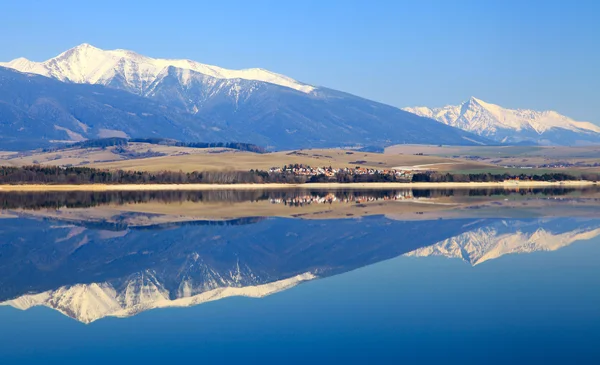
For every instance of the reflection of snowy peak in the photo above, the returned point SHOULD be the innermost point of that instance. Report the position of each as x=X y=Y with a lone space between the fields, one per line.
x=508 y=125
x=491 y=242
x=90 y=302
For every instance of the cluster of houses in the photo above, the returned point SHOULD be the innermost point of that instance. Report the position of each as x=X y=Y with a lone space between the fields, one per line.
x=331 y=198
x=302 y=170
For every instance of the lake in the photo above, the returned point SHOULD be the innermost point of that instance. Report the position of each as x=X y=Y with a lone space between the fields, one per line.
x=301 y=276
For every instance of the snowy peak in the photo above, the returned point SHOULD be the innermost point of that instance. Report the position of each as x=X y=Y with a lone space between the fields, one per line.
x=509 y=125
x=87 y=64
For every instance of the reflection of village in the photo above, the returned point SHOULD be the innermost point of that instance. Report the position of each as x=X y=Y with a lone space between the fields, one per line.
x=303 y=170
x=331 y=198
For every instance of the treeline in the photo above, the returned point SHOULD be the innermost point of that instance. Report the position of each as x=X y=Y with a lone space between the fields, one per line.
x=38 y=174
x=354 y=178
x=488 y=177
x=117 y=141
x=103 y=142
x=84 y=175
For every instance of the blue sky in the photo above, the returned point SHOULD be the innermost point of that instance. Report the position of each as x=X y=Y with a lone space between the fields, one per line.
x=527 y=54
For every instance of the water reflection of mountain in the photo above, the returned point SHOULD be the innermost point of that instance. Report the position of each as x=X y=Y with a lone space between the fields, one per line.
x=504 y=237
x=88 y=272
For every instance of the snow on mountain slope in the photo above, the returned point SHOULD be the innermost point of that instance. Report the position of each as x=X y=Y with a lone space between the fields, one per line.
x=508 y=125
x=87 y=64
x=488 y=243
x=90 y=302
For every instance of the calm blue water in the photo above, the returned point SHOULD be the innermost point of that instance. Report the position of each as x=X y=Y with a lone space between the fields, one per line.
x=477 y=298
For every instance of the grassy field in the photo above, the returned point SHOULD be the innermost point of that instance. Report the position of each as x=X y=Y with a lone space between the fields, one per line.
x=536 y=159
x=88 y=156
x=551 y=152
x=498 y=159
x=236 y=160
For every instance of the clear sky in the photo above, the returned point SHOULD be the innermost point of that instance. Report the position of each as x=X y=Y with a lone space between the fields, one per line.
x=519 y=54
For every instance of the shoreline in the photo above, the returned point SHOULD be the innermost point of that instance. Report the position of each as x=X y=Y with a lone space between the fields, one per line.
x=307 y=186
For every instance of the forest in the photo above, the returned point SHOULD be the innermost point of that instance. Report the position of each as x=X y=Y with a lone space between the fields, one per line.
x=488 y=177
x=117 y=141
x=37 y=174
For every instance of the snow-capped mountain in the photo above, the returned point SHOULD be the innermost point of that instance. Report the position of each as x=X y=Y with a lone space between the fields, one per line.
x=86 y=64
x=87 y=93
x=512 y=126
x=504 y=238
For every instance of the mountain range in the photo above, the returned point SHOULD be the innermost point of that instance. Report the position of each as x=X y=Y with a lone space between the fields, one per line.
x=513 y=126
x=87 y=93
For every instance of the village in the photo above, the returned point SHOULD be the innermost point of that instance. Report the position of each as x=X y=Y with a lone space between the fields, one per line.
x=303 y=170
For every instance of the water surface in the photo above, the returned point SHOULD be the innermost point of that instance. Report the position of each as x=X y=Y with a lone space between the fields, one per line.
x=459 y=277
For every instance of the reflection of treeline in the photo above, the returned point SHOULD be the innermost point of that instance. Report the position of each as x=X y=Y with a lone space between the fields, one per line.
x=488 y=177
x=229 y=222
x=122 y=224
x=552 y=191
x=82 y=199
x=116 y=141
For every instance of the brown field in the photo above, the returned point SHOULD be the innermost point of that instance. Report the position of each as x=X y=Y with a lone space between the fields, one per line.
x=498 y=151
x=544 y=159
x=446 y=158
x=89 y=156
x=211 y=159
x=236 y=160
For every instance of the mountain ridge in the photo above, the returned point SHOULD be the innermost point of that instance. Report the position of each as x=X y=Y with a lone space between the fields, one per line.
x=91 y=65
x=186 y=105
x=512 y=125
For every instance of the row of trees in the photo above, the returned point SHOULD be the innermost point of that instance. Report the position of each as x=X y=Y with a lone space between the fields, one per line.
x=118 y=141
x=343 y=177
x=488 y=177
x=84 y=175
x=232 y=145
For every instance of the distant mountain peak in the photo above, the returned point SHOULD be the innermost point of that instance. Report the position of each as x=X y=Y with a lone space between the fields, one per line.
x=512 y=125
x=87 y=64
